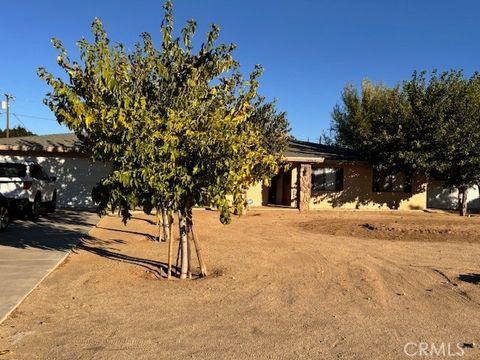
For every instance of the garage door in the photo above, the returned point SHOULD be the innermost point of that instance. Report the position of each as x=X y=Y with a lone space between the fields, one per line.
x=439 y=197
x=76 y=176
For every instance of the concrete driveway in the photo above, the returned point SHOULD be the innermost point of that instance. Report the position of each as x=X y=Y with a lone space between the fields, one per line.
x=30 y=250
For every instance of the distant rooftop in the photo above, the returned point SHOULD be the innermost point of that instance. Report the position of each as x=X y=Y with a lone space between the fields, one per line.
x=43 y=143
x=69 y=143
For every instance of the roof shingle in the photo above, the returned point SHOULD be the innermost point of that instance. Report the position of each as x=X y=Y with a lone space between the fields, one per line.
x=46 y=143
x=306 y=150
x=70 y=143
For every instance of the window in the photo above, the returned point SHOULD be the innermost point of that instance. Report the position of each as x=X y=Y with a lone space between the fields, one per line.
x=327 y=179
x=36 y=172
x=391 y=183
x=46 y=176
x=12 y=170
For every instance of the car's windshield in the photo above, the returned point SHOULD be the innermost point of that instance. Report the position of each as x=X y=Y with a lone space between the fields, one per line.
x=12 y=170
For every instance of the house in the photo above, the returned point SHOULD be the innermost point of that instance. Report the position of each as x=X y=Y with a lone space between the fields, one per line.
x=321 y=176
x=316 y=176
x=60 y=155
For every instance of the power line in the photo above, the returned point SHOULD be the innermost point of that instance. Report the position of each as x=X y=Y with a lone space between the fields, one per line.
x=21 y=122
x=17 y=117
x=309 y=139
x=34 y=117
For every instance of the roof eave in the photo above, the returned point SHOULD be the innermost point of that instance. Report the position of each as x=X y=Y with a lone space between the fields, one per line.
x=316 y=160
x=326 y=161
x=49 y=149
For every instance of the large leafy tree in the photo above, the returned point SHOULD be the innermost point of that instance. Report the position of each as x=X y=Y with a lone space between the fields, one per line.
x=429 y=126
x=178 y=125
x=374 y=122
x=445 y=128
x=274 y=125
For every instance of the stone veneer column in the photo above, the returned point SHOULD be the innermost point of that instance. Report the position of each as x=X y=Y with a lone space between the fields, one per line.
x=304 y=186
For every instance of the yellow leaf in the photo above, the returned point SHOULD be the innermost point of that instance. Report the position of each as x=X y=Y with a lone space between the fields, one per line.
x=121 y=117
x=89 y=120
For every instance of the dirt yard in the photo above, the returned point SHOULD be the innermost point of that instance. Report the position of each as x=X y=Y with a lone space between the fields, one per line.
x=284 y=285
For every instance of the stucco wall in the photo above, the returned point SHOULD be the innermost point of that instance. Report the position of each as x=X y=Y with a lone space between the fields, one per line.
x=255 y=195
x=76 y=177
x=357 y=193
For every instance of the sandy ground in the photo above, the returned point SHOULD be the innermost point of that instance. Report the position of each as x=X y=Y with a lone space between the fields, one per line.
x=323 y=285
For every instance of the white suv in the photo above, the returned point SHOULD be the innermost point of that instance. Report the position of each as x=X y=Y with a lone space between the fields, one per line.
x=27 y=187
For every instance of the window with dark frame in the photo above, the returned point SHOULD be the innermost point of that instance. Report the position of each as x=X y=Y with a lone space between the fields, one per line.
x=327 y=179
x=37 y=173
x=399 y=182
x=12 y=170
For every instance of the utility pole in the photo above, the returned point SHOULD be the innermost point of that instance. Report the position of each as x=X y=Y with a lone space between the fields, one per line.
x=6 y=105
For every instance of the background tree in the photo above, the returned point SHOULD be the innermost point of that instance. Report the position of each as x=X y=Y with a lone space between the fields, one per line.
x=427 y=126
x=273 y=124
x=16 y=131
x=445 y=128
x=374 y=122
x=177 y=125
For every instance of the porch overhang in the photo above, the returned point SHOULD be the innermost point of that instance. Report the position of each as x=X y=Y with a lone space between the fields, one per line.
x=325 y=161
x=310 y=160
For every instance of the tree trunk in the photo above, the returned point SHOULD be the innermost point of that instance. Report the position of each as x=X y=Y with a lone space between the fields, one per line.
x=189 y=253
x=203 y=267
x=179 y=256
x=170 y=247
x=462 y=200
x=165 y=224
x=159 y=227
x=182 y=225
x=245 y=202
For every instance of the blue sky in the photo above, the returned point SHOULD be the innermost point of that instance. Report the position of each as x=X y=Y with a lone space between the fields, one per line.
x=309 y=48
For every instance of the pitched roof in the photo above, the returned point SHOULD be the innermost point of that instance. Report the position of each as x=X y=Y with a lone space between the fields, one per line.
x=43 y=143
x=307 y=151
x=69 y=143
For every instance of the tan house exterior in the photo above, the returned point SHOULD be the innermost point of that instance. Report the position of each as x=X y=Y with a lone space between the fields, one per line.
x=315 y=177
x=352 y=187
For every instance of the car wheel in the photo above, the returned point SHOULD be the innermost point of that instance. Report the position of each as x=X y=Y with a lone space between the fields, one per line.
x=34 y=212
x=52 y=205
x=4 y=217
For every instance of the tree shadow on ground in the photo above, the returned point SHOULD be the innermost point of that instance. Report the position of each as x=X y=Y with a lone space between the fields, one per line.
x=59 y=231
x=149 y=236
x=103 y=248
x=471 y=278
x=151 y=222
